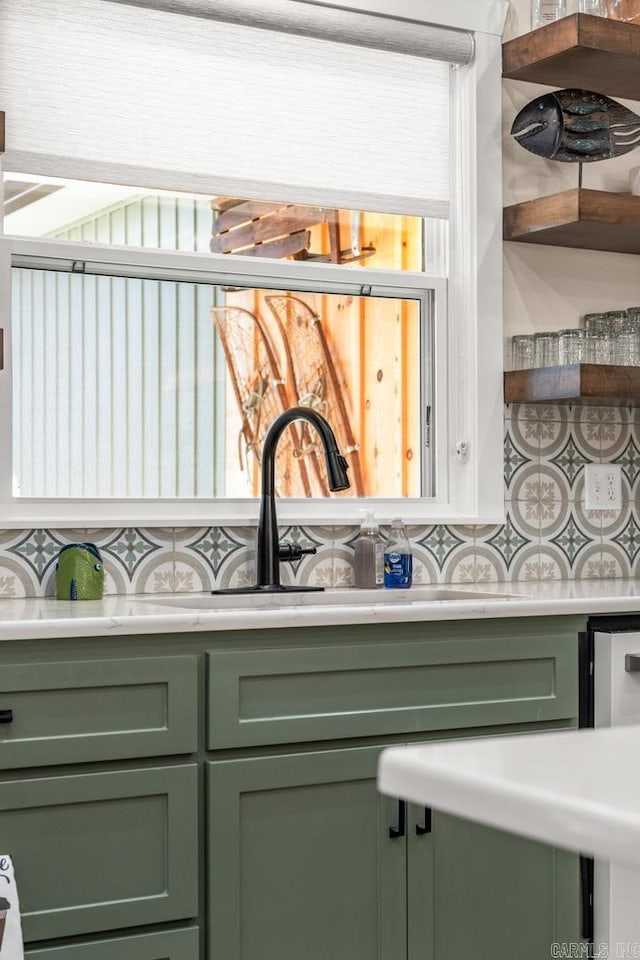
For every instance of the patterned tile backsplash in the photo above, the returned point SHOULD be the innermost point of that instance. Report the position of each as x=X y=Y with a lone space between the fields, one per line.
x=547 y=535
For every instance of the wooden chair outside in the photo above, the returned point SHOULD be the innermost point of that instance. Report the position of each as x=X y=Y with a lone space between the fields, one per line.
x=312 y=381
x=261 y=396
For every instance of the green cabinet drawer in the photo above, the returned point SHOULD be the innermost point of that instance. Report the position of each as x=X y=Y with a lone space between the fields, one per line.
x=97 y=710
x=470 y=674
x=103 y=851
x=167 y=945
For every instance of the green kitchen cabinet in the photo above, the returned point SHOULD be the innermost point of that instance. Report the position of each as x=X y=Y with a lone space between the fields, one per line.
x=301 y=862
x=323 y=866
x=79 y=710
x=455 y=677
x=101 y=851
x=478 y=892
x=213 y=796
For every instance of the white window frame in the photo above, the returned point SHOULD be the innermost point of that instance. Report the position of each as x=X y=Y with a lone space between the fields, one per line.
x=468 y=370
x=225 y=270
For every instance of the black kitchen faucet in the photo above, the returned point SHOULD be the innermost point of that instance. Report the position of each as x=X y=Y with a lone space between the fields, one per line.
x=269 y=550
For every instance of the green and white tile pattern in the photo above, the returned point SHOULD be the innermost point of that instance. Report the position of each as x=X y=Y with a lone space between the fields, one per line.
x=547 y=535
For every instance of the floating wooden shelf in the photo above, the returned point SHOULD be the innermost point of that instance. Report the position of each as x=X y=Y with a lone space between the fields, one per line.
x=589 y=384
x=578 y=51
x=587 y=219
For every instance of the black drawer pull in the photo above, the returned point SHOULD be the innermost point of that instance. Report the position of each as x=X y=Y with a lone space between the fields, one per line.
x=6 y=716
x=401 y=829
x=422 y=828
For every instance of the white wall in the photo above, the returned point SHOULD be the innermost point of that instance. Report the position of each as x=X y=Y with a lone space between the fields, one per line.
x=551 y=287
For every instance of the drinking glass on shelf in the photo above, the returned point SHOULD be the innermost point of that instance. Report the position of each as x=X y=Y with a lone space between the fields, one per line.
x=628 y=10
x=589 y=347
x=633 y=318
x=604 y=348
x=571 y=346
x=628 y=349
x=595 y=323
x=615 y=322
x=598 y=8
x=523 y=351
x=546 y=349
x=546 y=11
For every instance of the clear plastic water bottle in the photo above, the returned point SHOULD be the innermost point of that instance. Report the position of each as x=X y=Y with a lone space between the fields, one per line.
x=398 y=560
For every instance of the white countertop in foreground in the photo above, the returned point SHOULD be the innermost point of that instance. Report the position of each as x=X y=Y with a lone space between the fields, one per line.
x=579 y=789
x=162 y=613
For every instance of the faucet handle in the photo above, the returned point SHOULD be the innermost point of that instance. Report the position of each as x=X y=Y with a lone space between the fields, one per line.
x=293 y=551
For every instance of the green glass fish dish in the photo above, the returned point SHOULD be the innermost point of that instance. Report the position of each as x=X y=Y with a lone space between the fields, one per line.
x=79 y=572
x=576 y=126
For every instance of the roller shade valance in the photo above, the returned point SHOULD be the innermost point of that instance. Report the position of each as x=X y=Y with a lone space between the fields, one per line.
x=118 y=92
x=397 y=35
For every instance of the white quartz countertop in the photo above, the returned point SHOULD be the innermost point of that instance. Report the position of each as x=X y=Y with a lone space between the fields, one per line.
x=185 y=612
x=578 y=789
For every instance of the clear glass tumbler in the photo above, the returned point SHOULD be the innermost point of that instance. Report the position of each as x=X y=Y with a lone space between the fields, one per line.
x=628 y=349
x=604 y=348
x=547 y=349
x=571 y=346
x=523 y=351
x=546 y=11
x=597 y=8
x=595 y=323
x=615 y=322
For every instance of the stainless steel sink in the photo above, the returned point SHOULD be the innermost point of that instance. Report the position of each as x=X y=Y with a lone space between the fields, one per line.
x=345 y=597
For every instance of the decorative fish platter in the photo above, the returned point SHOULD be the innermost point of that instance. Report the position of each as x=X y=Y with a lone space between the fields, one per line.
x=576 y=126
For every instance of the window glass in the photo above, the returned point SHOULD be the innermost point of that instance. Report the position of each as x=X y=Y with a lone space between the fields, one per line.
x=144 y=388
x=37 y=206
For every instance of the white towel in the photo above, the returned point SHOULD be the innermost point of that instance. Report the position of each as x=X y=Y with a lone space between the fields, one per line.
x=11 y=946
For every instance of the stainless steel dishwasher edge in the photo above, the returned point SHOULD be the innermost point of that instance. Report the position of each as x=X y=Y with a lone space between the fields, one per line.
x=616 y=702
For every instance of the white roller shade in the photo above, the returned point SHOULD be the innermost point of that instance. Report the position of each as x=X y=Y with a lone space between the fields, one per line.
x=116 y=92
x=309 y=18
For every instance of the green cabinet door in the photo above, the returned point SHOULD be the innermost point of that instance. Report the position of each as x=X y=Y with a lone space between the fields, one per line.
x=478 y=892
x=301 y=862
x=103 y=851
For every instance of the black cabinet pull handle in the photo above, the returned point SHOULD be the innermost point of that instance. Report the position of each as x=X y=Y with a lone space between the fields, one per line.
x=586 y=891
x=422 y=828
x=6 y=716
x=401 y=829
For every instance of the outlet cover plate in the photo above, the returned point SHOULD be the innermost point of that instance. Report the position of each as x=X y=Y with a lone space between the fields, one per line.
x=603 y=486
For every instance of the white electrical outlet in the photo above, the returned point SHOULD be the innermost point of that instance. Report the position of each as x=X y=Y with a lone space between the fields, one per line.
x=603 y=486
